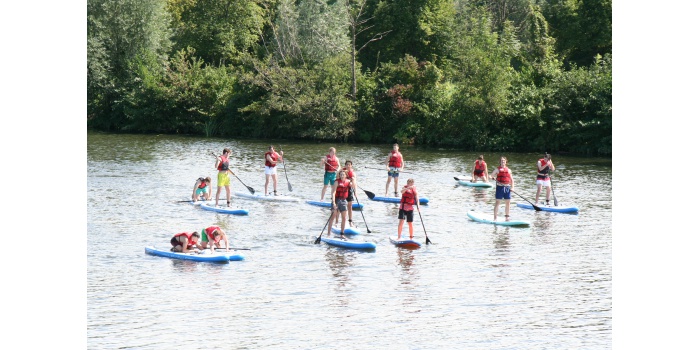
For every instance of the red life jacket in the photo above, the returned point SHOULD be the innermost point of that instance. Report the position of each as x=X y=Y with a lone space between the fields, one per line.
x=202 y=184
x=503 y=176
x=342 y=189
x=223 y=164
x=331 y=163
x=190 y=240
x=479 y=167
x=351 y=175
x=544 y=171
x=210 y=233
x=395 y=159
x=273 y=156
x=408 y=199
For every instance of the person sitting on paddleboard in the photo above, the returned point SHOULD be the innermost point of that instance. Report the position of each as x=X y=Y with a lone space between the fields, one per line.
x=271 y=159
x=394 y=165
x=544 y=167
x=353 y=190
x=504 y=184
x=339 y=202
x=222 y=180
x=202 y=189
x=409 y=197
x=330 y=164
x=185 y=242
x=212 y=236
x=479 y=170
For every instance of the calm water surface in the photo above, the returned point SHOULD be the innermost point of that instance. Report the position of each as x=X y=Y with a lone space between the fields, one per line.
x=477 y=286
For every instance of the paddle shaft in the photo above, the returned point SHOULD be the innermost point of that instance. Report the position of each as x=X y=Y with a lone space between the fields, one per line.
x=233 y=248
x=361 y=212
x=250 y=189
x=534 y=206
x=401 y=171
x=284 y=164
x=318 y=240
x=551 y=185
x=427 y=240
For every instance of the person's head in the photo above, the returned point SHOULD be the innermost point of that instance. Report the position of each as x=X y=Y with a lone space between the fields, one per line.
x=195 y=234
x=481 y=157
x=331 y=150
x=226 y=151
x=271 y=148
x=342 y=174
x=409 y=182
x=208 y=180
x=396 y=147
x=348 y=163
x=547 y=156
x=504 y=160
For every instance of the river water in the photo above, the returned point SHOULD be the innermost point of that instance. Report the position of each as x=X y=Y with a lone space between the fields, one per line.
x=477 y=286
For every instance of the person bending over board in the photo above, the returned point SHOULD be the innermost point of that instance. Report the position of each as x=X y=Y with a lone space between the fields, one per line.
x=271 y=159
x=394 y=165
x=504 y=184
x=331 y=164
x=409 y=197
x=339 y=202
x=544 y=166
x=353 y=190
x=212 y=237
x=223 y=180
x=479 y=170
x=202 y=189
x=185 y=242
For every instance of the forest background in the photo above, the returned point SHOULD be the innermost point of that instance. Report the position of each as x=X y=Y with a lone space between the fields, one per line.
x=489 y=75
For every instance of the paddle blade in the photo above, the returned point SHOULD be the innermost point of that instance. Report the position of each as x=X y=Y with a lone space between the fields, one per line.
x=427 y=240
x=252 y=191
x=536 y=207
x=456 y=178
x=289 y=187
x=369 y=194
x=556 y=204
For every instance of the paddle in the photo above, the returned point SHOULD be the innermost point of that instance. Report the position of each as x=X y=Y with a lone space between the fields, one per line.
x=403 y=172
x=368 y=193
x=534 y=206
x=233 y=248
x=284 y=163
x=252 y=191
x=551 y=185
x=362 y=211
x=318 y=240
x=427 y=240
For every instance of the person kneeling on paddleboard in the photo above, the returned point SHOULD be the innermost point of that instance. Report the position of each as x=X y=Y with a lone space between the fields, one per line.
x=185 y=242
x=212 y=236
x=409 y=197
x=479 y=170
x=202 y=189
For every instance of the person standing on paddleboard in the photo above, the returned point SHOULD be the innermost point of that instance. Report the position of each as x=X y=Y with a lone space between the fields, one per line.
x=504 y=184
x=202 y=189
x=331 y=164
x=479 y=170
x=271 y=159
x=222 y=180
x=409 y=197
x=339 y=200
x=185 y=242
x=544 y=167
x=212 y=237
x=353 y=189
x=394 y=165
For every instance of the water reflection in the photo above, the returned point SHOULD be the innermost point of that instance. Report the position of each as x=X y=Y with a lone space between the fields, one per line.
x=339 y=261
x=408 y=279
x=501 y=244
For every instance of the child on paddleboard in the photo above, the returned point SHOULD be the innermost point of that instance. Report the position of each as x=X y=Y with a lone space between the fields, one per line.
x=504 y=184
x=202 y=189
x=409 y=197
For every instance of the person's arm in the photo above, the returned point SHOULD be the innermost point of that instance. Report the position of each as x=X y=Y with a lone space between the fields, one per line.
x=551 y=165
x=184 y=245
x=494 y=174
x=194 y=191
x=540 y=166
x=226 y=241
x=323 y=162
x=387 y=161
x=281 y=156
x=333 y=189
x=512 y=182
x=401 y=160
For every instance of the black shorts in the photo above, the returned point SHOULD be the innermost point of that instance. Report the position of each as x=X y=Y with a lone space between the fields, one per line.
x=351 y=195
x=406 y=214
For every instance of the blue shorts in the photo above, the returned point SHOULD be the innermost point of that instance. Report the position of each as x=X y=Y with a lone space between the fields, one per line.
x=502 y=192
x=202 y=191
x=393 y=172
x=329 y=178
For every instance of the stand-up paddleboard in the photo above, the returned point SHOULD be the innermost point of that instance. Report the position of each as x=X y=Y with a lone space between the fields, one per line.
x=404 y=243
x=422 y=200
x=206 y=255
x=349 y=231
x=475 y=184
x=222 y=209
x=488 y=219
x=348 y=244
x=555 y=209
x=328 y=204
x=266 y=198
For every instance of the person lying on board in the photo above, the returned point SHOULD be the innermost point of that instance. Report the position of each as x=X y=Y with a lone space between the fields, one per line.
x=212 y=237
x=185 y=242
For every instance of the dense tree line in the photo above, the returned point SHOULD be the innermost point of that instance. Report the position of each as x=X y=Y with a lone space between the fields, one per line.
x=516 y=75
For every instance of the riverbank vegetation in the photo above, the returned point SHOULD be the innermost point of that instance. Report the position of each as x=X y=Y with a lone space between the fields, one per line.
x=511 y=75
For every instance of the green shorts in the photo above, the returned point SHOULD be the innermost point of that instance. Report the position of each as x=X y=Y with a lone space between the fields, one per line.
x=205 y=238
x=329 y=178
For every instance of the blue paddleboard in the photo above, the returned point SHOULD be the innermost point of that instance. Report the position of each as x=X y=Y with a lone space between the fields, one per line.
x=404 y=243
x=422 y=200
x=555 y=209
x=487 y=219
x=328 y=204
x=348 y=244
x=205 y=256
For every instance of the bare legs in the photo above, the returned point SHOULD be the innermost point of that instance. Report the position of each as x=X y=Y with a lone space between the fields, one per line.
x=495 y=209
x=274 y=183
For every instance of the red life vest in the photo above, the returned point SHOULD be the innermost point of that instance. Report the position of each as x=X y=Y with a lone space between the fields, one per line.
x=202 y=184
x=503 y=176
x=544 y=171
x=210 y=233
x=408 y=199
x=273 y=156
x=395 y=159
x=332 y=163
x=223 y=164
x=190 y=240
x=342 y=189
x=351 y=175
x=479 y=167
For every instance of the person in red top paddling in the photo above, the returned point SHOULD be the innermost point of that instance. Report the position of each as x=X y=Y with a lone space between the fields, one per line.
x=394 y=165
x=544 y=167
x=330 y=164
x=212 y=237
x=479 y=170
x=185 y=242
x=353 y=189
x=202 y=189
x=222 y=180
x=504 y=184
x=339 y=202
x=409 y=197
x=271 y=159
